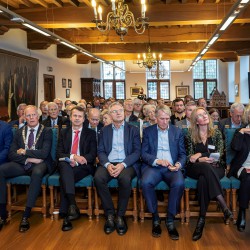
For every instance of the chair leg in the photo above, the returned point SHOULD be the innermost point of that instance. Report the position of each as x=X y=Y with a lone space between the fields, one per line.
x=182 y=212
x=234 y=203
x=9 y=200
x=96 y=204
x=90 y=210
x=44 y=208
x=52 y=202
x=141 y=206
x=135 y=212
x=187 y=212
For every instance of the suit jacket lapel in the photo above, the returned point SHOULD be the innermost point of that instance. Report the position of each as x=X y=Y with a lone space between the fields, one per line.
x=155 y=139
x=171 y=140
x=126 y=138
x=110 y=138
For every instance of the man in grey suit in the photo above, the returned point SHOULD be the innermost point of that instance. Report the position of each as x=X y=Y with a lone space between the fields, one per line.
x=164 y=156
x=189 y=107
x=235 y=119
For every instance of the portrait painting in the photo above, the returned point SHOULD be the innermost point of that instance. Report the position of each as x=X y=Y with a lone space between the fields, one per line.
x=18 y=82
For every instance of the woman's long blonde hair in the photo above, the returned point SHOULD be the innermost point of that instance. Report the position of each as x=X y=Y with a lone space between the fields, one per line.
x=194 y=127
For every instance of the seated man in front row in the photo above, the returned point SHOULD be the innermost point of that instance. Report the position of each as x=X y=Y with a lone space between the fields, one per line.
x=118 y=152
x=29 y=155
x=78 y=143
x=163 y=155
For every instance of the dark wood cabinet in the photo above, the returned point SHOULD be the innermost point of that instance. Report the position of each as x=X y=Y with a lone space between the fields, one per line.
x=90 y=87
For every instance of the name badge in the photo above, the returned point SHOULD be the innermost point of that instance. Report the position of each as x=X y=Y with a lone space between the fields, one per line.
x=211 y=147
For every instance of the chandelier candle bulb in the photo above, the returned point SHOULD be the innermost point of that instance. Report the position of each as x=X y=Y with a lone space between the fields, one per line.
x=113 y=5
x=94 y=7
x=100 y=12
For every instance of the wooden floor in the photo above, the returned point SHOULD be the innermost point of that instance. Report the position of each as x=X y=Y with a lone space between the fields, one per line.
x=47 y=234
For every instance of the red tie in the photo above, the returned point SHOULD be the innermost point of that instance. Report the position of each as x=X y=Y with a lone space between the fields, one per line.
x=75 y=143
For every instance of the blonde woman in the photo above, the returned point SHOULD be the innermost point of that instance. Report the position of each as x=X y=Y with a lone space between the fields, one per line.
x=106 y=117
x=202 y=140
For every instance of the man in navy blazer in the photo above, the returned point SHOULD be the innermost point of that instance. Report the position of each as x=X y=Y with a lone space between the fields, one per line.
x=164 y=156
x=6 y=136
x=119 y=153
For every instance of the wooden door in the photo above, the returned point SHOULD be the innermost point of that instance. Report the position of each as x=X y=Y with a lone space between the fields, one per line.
x=49 y=87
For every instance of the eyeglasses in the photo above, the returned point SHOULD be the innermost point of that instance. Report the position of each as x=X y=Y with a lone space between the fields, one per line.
x=31 y=115
x=202 y=115
x=117 y=111
x=137 y=104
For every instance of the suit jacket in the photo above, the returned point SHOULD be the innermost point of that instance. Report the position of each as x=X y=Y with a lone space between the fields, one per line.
x=241 y=144
x=6 y=137
x=42 y=147
x=60 y=121
x=133 y=118
x=99 y=127
x=132 y=145
x=15 y=122
x=224 y=122
x=150 y=146
x=87 y=144
x=175 y=119
x=180 y=123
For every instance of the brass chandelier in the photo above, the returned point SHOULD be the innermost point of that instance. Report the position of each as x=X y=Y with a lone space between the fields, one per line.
x=149 y=59
x=120 y=19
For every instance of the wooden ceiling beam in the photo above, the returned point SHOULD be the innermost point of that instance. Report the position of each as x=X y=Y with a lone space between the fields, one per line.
x=41 y=2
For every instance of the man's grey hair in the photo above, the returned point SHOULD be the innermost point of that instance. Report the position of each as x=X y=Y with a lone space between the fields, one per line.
x=163 y=108
x=113 y=104
x=238 y=106
x=20 y=105
x=52 y=104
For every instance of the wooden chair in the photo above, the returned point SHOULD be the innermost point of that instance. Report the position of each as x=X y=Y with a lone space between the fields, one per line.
x=162 y=205
x=85 y=205
x=132 y=208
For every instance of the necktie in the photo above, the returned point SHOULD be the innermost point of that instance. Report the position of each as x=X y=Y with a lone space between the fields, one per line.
x=30 y=143
x=75 y=142
x=53 y=123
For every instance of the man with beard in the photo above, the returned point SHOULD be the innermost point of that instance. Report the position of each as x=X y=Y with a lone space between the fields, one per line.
x=179 y=111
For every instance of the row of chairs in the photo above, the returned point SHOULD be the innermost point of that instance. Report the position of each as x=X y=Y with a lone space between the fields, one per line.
x=138 y=205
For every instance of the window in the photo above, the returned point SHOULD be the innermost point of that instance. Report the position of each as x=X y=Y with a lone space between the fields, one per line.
x=158 y=81
x=205 y=78
x=114 y=80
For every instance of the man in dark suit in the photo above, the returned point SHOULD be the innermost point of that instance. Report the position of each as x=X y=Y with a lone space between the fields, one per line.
x=59 y=104
x=179 y=109
x=93 y=121
x=44 y=111
x=79 y=145
x=163 y=155
x=235 y=119
x=29 y=155
x=6 y=136
x=189 y=107
x=20 y=122
x=54 y=118
x=118 y=152
x=128 y=111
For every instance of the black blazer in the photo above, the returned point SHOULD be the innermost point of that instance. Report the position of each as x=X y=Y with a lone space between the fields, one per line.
x=42 y=147
x=61 y=121
x=240 y=144
x=88 y=147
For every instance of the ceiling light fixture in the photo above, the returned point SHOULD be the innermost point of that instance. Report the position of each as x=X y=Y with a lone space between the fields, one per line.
x=120 y=18
x=36 y=29
x=233 y=13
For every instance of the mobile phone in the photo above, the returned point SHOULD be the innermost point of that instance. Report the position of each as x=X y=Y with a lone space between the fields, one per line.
x=65 y=159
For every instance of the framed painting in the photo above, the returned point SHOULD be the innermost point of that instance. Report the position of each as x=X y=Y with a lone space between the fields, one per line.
x=182 y=91
x=64 y=83
x=18 y=82
x=67 y=93
x=134 y=91
x=236 y=89
x=69 y=83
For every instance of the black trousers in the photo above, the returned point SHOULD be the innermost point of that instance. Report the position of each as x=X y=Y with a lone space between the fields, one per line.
x=244 y=191
x=13 y=169
x=101 y=179
x=68 y=177
x=208 y=186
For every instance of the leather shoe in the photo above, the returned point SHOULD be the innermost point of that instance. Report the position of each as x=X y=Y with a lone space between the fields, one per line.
x=109 y=225
x=228 y=215
x=241 y=220
x=24 y=225
x=172 y=232
x=2 y=223
x=121 y=225
x=67 y=225
x=73 y=212
x=156 y=229
x=199 y=229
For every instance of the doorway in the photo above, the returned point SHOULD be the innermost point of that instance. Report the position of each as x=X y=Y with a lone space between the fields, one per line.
x=49 y=87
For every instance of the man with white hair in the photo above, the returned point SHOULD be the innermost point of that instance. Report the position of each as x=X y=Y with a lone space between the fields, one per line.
x=59 y=104
x=20 y=122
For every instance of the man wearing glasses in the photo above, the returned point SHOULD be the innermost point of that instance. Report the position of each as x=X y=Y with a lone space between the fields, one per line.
x=118 y=152
x=29 y=155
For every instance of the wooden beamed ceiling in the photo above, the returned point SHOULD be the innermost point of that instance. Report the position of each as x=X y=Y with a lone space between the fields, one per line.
x=178 y=28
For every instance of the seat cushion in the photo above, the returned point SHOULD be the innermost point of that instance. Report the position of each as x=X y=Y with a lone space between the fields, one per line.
x=225 y=183
x=235 y=182
x=25 y=180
